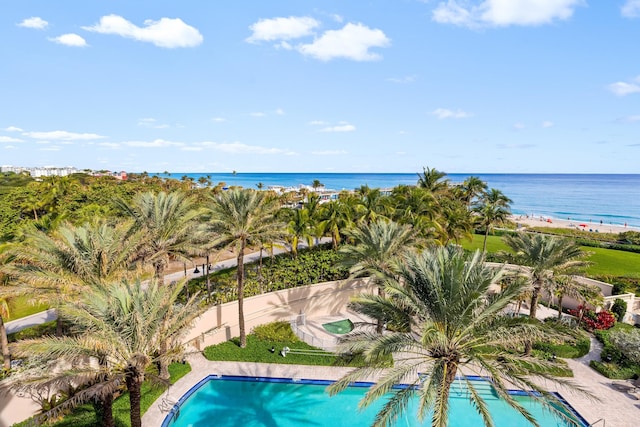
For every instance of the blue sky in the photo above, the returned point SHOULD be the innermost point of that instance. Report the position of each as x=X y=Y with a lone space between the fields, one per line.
x=321 y=86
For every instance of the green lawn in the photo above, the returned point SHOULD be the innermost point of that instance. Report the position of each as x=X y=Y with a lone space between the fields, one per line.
x=605 y=262
x=22 y=306
x=84 y=416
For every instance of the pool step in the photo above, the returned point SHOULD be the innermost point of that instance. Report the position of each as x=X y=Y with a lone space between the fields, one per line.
x=482 y=387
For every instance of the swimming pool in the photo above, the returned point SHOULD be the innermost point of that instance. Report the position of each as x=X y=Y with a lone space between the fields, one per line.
x=229 y=401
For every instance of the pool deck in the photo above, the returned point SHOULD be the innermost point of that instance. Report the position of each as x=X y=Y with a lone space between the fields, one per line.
x=618 y=409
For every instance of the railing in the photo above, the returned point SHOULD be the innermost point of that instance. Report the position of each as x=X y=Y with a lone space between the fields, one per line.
x=300 y=320
x=604 y=423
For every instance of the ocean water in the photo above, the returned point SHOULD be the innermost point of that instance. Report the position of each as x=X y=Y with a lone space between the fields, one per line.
x=612 y=199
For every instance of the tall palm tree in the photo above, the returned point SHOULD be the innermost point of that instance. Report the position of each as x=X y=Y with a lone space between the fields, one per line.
x=335 y=218
x=446 y=324
x=378 y=247
x=492 y=209
x=372 y=205
x=241 y=218
x=169 y=224
x=299 y=227
x=564 y=285
x=122 y=328
x=454 y=222
x=544 y=255
x=432 y=180
x=473 y=188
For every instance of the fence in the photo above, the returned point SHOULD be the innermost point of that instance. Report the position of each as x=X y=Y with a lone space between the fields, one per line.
x=300 y=320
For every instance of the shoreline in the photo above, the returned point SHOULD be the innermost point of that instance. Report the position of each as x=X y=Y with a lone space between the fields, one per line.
x=589 y=226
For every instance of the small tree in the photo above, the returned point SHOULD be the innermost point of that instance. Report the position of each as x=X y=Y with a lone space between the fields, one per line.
x=619 y=308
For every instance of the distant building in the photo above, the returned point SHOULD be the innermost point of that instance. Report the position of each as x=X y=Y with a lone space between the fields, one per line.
x=39 y=172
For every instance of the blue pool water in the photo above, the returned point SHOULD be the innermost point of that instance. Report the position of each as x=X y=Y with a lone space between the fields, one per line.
x=241 y=401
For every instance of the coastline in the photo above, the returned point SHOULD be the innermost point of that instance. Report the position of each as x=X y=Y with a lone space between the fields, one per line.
x=526 y=221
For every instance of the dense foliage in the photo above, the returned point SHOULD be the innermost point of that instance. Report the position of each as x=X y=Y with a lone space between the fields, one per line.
x=313 y=265
x=620 y=357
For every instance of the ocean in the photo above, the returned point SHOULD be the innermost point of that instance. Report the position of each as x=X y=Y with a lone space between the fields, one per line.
x=610 y=198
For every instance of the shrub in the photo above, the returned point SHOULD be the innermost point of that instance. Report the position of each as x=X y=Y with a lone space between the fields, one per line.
x=594 y=321
x=275 y=331
x=619 y=308
x=613 y=371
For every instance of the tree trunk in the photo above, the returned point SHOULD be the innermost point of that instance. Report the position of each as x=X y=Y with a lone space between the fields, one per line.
x=560 y=306
x=35 y=214
x=260 y=266
x=380 y=325
x=134 y=383
x=535 y=293
x=106 y=411
x=484 y=244
x=240 y=272
x=209 y=280
x=159 y=272
x=449 y=377
x=163 y=365
x=4 y=343
x=528 y=347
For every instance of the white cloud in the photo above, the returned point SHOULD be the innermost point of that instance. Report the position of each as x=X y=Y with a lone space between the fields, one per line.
x=152 y=123
x=339 y=128
x=157 y=143
x=62 y=135
x=218 y=119
x=502 y=13
x=10 y=147
x=444 y=113
x=405 y=79
x=624 y=88
x=547 y=124
x=13 y=129
x=280 y=112
x=353 y=42
x=518 y=126
x=34 y=22
x=631 y=9
x=280 y=28
x=166 y=32
x=337 y=18
x=328 y=152
x=52 y=148
x=70 y=39
x=240 y=148
x=257 y=114
x=192 y=148
x=317 y=123
x=9 y=139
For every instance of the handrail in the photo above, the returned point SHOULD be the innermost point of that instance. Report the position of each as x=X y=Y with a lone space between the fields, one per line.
x=604 y=423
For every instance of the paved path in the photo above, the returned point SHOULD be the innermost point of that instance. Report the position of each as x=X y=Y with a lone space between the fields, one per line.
x=29 y=321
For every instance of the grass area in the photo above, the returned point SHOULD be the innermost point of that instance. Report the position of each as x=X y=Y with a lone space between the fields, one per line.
x=609 y=262
x=605 y=262
x=84 y=416
x=265 y=344
x=22 y=306
x=37 y=331
x=494 y=243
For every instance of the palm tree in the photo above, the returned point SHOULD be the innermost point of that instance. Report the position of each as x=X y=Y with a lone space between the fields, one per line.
x=372 y=205
x=432 y=180
x=563 y=285
x=316 y=184
x=544 y=255
x=445 y=323
x=454 y=222
x=492 y=208
x=378 y=247
x=299 y=227
x=123 y=326
x=169 y=224
x=335 y=218
x=241 y=218
x=473 y=188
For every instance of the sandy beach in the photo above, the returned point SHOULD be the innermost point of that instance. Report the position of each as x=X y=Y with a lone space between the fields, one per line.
x=595 y=226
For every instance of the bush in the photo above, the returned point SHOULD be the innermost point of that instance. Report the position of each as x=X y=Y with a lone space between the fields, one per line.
x=275 y=331
x=619 y=308
x=594 y=321
x=614 y=371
